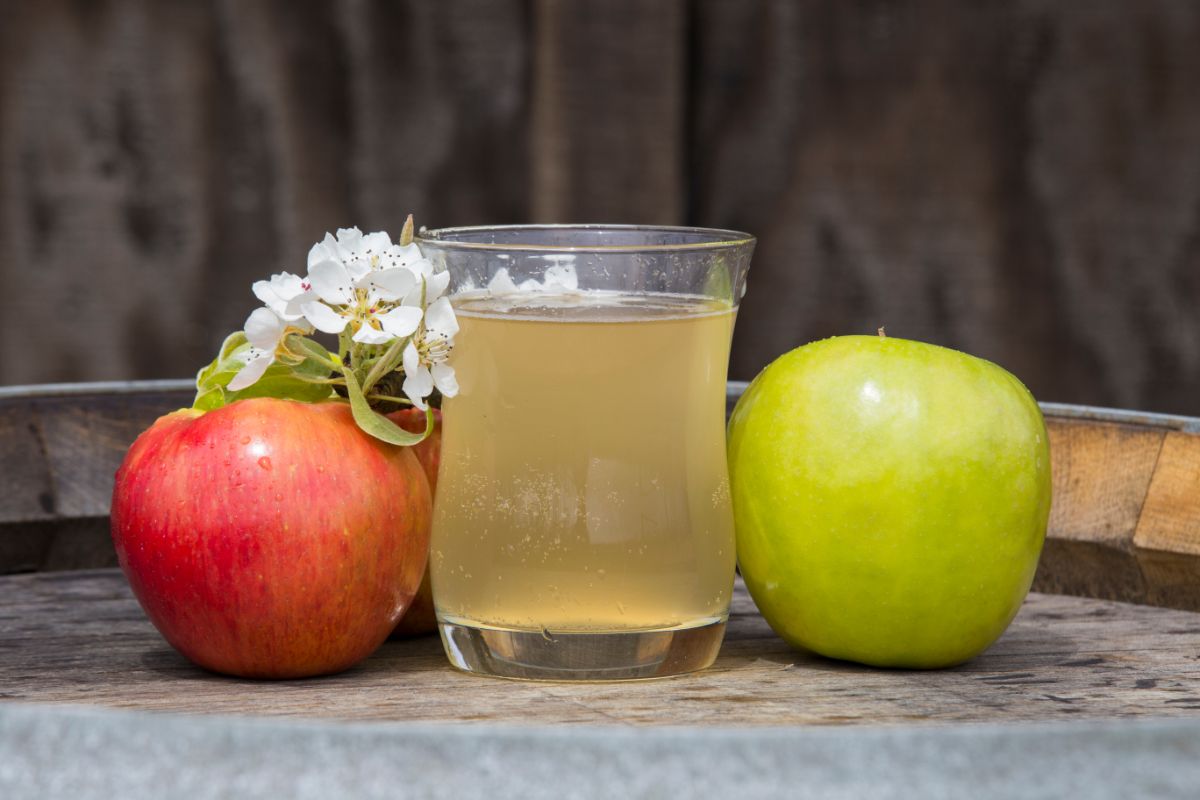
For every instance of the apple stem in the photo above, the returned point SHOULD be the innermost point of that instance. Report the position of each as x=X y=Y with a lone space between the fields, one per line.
x=882 y=332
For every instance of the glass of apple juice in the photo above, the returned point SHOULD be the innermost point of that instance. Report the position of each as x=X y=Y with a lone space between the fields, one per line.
x=582 y=526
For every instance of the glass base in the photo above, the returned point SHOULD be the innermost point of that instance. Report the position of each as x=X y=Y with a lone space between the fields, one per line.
x=547 y=656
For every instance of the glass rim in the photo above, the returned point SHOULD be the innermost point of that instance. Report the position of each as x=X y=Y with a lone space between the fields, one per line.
x=718 y=238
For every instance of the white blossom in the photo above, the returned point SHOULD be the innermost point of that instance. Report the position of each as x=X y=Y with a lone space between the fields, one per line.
x=361 y=253
x=283 y=294
x=265 y=330
x=426 y=355
x=364 y=286
x=369 y=300
x=430 y=285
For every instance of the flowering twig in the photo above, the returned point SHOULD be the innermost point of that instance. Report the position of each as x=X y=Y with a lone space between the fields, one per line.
x=385 y=304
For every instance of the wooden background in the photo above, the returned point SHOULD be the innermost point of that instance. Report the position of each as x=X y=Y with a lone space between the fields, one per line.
x=1018 y=178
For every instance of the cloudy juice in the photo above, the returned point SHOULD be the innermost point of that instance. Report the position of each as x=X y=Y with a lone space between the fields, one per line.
x=583 y=485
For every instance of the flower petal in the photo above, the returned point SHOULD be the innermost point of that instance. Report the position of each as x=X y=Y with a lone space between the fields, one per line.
x=410 y=358
x=349 y=241
x=287 y=285
x=413 y=298
x=278 y=293
x=444 y=379
x=409 y=254
x=369 y=335
x=264 y=329
x=323 y=318
x=331 y=282
x=293 y=309
x=440 y=319
x=263 y=291
x=389 y=284
x=421 y=266
x=435 y=285
x=358 y=268
x=376 y=243
x=323 y=250
x=400 y=321
x=418 y=384
x=256 y=365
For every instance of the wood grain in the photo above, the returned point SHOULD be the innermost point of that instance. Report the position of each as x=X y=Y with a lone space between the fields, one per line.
x=1168 y=532
x=81 y=638
x=608 y=118
x=1124 y=525
x=998 y=178
x=1125 y=520
x=1170 y=519
x=1101 y=474
x=158 y=157
x=58 y=455
x=1020 y=180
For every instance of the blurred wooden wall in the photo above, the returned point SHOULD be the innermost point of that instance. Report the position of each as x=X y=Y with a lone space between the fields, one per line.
x=1019 y=179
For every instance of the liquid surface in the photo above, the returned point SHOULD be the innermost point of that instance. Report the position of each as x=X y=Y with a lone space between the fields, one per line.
x=583 y=484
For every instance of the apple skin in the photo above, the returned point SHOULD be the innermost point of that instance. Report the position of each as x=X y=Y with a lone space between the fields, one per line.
x=421 y=617
x=890 y=498
x=271 y=538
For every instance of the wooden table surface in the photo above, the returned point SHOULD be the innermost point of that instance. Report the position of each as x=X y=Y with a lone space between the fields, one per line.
x=80 y=637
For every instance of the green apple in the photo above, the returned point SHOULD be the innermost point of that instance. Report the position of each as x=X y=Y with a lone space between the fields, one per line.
x=890 y=499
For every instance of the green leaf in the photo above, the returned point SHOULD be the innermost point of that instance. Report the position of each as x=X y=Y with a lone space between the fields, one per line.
x=318 y=361
x=280 y=381
x=295 y=382
x=378 y=425
x=233 y=341
x=209 y=399
x=206 y=378
x=388 y=362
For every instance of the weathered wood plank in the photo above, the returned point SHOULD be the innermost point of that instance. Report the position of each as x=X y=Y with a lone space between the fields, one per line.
x=1168 y=533
x=59 y=449
x=1101 y=474
x=1170 y=517
x=1124 y=524
x=60 y=452
x=610 y=93
x=157 y=158
x=1013 y=179
x=81 y=638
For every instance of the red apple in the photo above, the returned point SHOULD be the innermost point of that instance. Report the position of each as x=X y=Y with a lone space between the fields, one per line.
x=429 y=450
x=420 y=618
x=271 y=538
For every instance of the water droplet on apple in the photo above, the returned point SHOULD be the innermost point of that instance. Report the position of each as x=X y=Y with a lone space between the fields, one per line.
x=245 y=440
x=265 y=463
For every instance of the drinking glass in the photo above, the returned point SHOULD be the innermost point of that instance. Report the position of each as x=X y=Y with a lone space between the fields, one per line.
x=582 y=527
